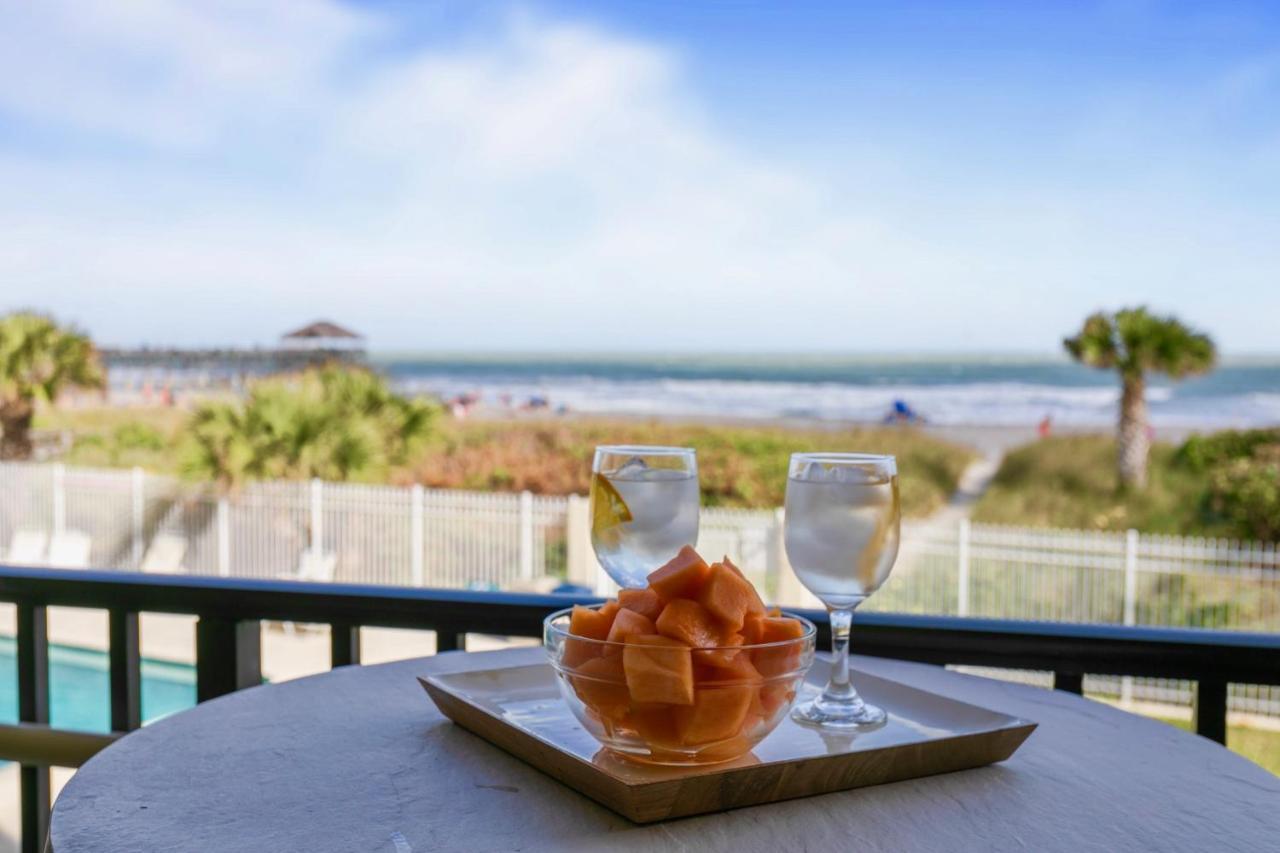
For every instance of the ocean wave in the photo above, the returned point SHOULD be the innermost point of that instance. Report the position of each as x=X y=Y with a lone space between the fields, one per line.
x=996 y=403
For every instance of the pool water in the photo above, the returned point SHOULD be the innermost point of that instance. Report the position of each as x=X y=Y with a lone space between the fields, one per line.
x=79 y=693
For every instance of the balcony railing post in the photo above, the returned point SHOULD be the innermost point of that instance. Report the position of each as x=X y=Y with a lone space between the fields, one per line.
x=33 y=707
x=450 y=641
x=344 y=644
x=125 y=668
x=1210 y=711
x=1071 y=682
x=228 y=656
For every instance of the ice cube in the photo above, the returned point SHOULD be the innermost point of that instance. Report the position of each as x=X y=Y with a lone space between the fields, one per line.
x=633 y=469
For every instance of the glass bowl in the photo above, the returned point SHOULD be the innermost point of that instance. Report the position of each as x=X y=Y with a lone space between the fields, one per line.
x=739 y=693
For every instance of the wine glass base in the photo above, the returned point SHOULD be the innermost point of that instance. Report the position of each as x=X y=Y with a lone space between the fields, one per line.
x=856 y=715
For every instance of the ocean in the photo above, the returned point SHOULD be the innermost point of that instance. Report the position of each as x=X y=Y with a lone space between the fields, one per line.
x=967 y=390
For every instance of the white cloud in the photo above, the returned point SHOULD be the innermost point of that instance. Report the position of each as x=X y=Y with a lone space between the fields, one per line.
x=218 y=172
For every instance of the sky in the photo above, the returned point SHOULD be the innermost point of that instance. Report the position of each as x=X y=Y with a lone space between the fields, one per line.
x=728 y=176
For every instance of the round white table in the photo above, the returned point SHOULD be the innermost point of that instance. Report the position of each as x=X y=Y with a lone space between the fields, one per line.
x=359 y=759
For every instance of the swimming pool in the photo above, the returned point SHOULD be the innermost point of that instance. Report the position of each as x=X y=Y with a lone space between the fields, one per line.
x=79 y=695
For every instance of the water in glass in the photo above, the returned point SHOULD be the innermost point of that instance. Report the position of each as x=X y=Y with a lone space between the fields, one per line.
x=644 y=508
x=841 y=533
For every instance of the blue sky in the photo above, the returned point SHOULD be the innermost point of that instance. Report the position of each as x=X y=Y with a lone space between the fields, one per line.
x=730 y=176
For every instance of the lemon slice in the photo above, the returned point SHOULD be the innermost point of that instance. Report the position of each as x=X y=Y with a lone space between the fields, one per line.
x=608 y=511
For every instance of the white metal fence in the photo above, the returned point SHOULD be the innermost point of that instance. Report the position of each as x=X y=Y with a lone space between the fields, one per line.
x=77 y=517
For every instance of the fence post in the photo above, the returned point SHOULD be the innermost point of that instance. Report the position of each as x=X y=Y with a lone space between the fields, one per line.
x=1130 y=601
x=317 y=517
x=224 y=538
x=416 y=539
x=526 y=535
x=580 y=558
x=137 y=486
x=962 y=570
x=59 y=473
x=790 y=591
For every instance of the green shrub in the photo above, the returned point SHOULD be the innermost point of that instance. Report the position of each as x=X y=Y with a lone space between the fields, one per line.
x=138 y=436
x=1246 y=493
x=1202 y=452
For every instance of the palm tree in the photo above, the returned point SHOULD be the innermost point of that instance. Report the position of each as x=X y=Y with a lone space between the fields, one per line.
x=1135 y=342
x=334 y=423
x=38 y=360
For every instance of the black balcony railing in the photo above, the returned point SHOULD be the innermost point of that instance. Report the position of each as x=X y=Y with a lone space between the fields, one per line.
x=228 y=655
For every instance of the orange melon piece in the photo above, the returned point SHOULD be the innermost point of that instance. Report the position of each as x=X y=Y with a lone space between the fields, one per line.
x=775 y=629
x=779 y=660
x=773 y=696
x=589 y=623
x=691 y=623
x=586 y=622
x=658 y=669
x=682 y=577
x=578 y=652
x=627 y=624
x=645 y=601
x=655 y=724
x=756 y=606
x=729 y=596
x=720 y=655
x=717 y=713
x=752 y=628
x=601 y=685
x=708 y=671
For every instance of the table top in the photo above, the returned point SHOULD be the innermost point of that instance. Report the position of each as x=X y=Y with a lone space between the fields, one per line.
x=360 y=759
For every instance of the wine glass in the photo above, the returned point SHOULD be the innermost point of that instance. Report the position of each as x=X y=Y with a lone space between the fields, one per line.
x=644 y=508
x=842 y=530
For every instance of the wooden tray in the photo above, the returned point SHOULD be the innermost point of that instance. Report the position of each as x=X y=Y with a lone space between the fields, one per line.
x=519 y=709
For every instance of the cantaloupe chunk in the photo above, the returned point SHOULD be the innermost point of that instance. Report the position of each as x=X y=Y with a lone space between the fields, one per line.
x=716 y=714
x=774 y=695
x=655 y=723
x=691 y=623
x=728 y=596
x=724 y=654
x=757 y=605
x=588 y=622
x=645 y=601
x=627 y=624
x=775 y=629
x=682 y=577
x=778 y=660
x=752 y=628
x=658 y=669
x=601 y=685
x=713 y=671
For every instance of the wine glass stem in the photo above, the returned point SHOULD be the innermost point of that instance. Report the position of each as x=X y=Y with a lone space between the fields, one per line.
x=839 y=687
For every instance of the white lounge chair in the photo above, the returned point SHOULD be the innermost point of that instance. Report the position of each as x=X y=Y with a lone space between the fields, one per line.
x=27 y=548
x=164 y=555
x=69 y=549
